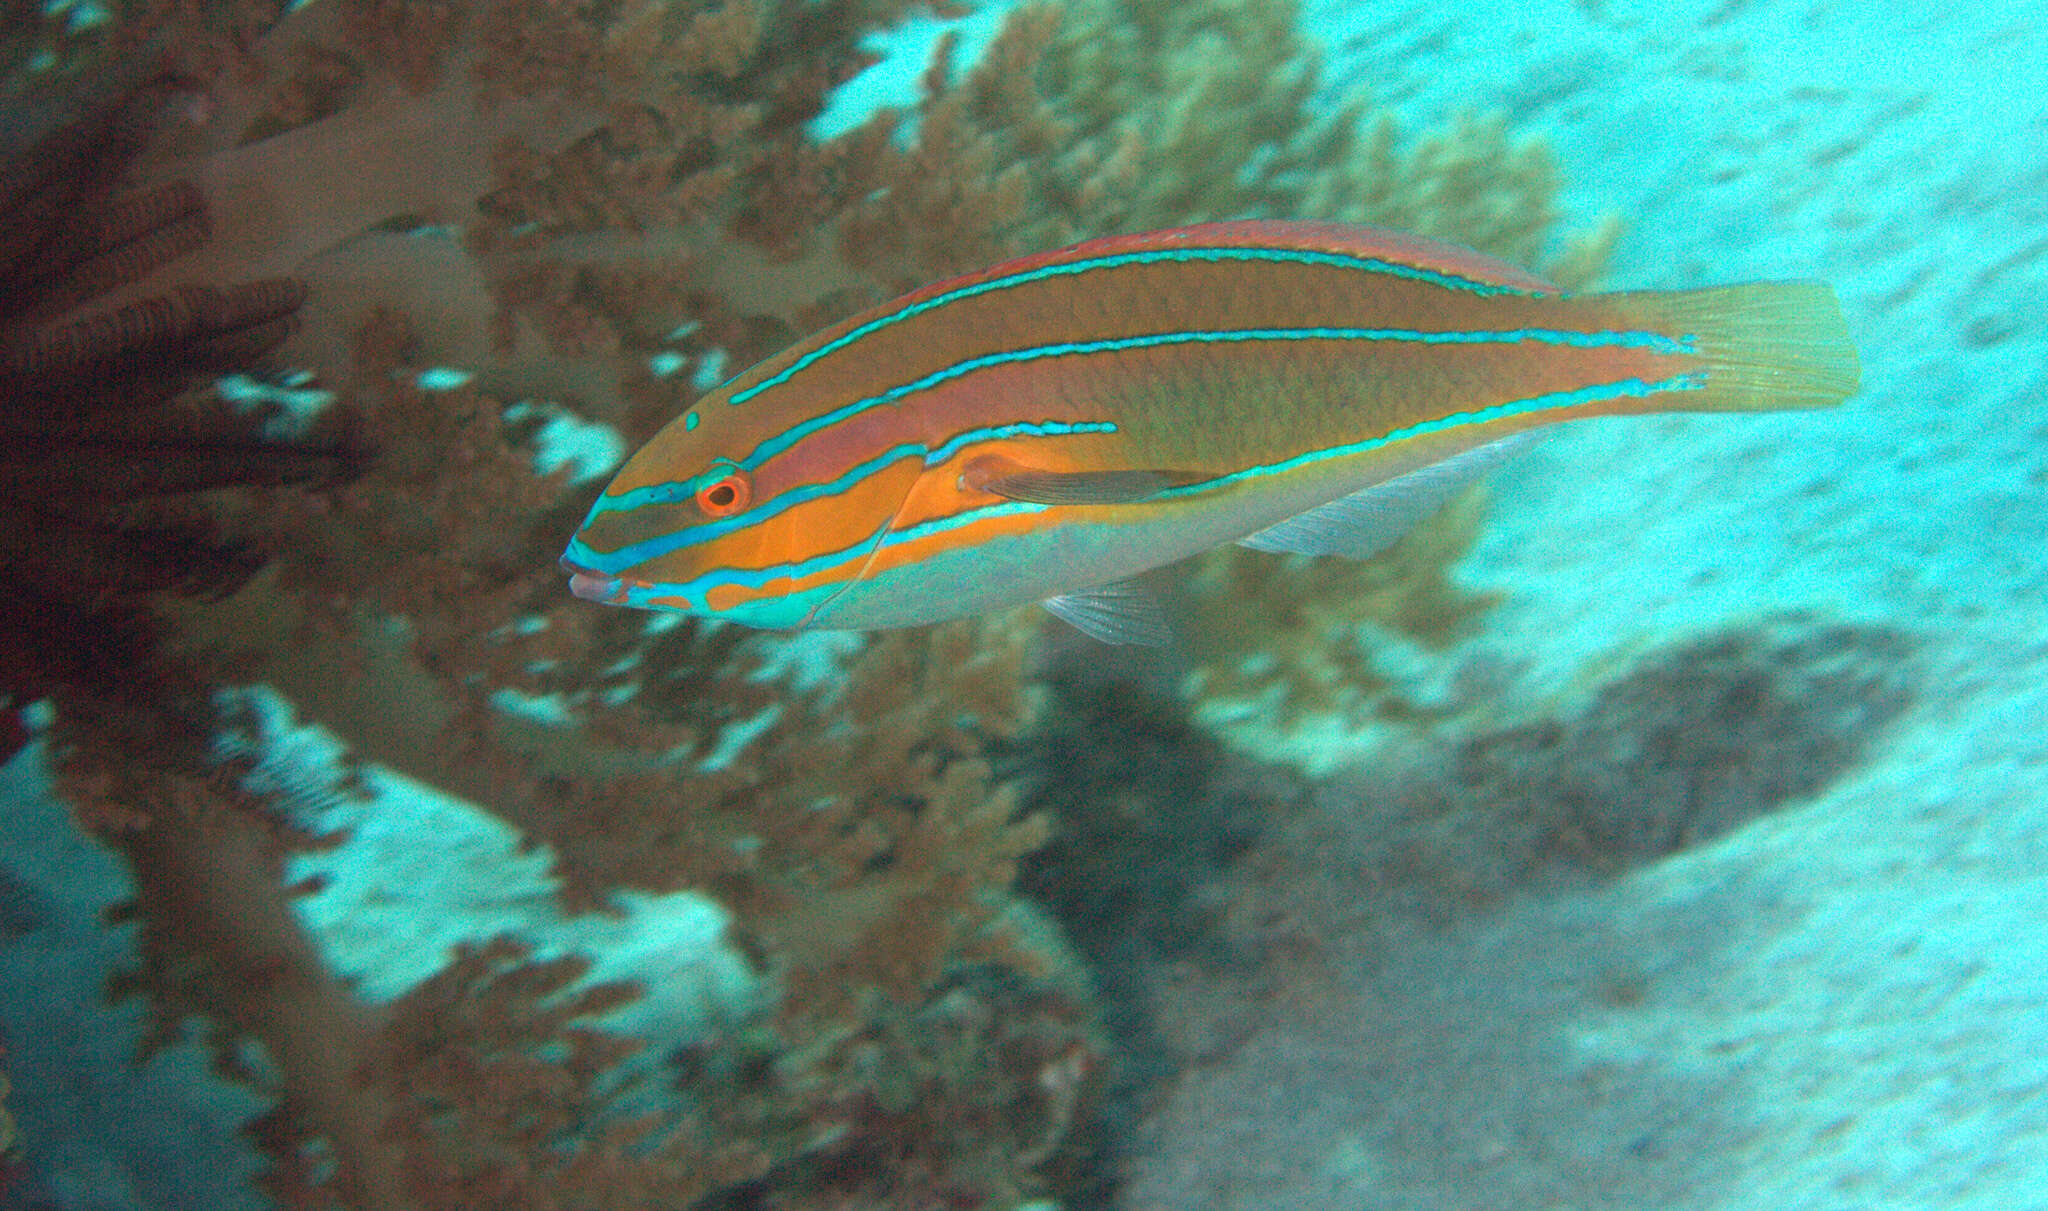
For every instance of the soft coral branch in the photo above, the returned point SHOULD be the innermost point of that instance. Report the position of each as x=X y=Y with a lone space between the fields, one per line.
x=560 y=197
x=220 y=940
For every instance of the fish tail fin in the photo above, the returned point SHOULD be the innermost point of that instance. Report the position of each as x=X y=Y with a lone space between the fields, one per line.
x=1766 y=345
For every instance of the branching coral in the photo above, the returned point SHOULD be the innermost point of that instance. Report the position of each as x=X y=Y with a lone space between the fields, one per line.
x=1095 y=116
x=873 y=903
x=867 y=861
x=548 y=191
x=596 y=206
x=107 y=440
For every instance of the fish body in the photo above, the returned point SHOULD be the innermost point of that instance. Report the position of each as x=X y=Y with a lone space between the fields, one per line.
x=1047 y=428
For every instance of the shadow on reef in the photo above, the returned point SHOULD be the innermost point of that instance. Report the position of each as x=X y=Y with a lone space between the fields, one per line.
x=1426 y=943
x=1690 y=743
x=1687 y=743
x=1214 y=896
x=1151 y=814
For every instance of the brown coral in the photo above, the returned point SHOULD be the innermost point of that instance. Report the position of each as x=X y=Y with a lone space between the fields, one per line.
x=593 y=204
x=104 y=439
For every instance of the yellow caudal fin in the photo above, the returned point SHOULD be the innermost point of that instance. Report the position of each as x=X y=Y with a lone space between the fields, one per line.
x=1767 y=345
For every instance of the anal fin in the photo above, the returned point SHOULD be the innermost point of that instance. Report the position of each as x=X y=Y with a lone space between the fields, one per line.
x=1367 y=522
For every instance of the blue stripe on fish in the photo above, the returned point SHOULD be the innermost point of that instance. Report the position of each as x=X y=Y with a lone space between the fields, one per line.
x=1550 y=401
x=1628 y=388
x=754 y=578
x=1449 y=281
x=613 y=562
x=966 y=517
x=681 y=489
x=1623 y=339
x=954 y=444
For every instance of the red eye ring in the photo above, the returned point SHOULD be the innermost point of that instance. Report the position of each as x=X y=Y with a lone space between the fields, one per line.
x=726 y=495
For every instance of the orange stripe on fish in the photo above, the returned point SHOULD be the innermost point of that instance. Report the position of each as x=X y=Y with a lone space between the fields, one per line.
x=1045 y=429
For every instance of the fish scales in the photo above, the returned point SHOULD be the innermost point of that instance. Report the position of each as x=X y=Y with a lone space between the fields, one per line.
x=1055 y=424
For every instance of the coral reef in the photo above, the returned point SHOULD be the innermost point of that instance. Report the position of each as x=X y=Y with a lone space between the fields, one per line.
x=108 y=436
x=1279 y=645
x=1132 y=116
x=466 y=224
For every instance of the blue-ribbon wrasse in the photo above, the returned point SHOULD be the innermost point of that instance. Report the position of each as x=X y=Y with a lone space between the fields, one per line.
x=1045 y=429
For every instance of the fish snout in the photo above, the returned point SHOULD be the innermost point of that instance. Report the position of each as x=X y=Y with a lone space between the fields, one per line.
x=594 y=586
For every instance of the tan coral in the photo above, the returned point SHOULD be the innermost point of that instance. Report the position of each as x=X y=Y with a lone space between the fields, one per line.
x=549 y=195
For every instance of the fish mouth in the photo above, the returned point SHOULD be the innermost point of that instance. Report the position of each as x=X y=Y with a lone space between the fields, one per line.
x=594 y=586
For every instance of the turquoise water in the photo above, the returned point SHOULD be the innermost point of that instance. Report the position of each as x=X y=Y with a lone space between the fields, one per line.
x=1836 y=1004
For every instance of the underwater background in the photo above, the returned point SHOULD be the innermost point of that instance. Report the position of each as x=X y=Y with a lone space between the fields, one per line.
x=1662 y=824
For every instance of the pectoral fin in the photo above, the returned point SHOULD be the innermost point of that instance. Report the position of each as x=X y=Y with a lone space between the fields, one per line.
x=1015 y=481
x=1114 y=613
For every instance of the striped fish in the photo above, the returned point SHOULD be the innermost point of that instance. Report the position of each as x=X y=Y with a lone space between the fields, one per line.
x=1048 y=428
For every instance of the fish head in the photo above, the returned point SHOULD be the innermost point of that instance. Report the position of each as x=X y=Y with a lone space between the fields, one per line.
x=741 y=514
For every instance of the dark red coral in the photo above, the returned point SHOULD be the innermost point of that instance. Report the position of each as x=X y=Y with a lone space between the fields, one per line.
x=104 y=440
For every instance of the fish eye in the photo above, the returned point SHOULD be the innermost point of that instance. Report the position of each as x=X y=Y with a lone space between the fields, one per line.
x=726 y=495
